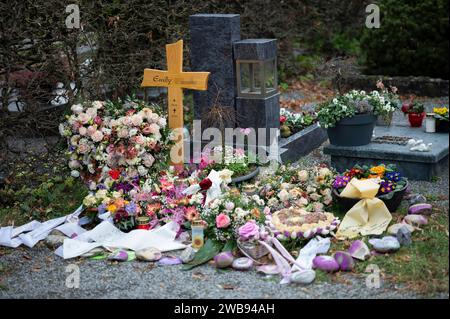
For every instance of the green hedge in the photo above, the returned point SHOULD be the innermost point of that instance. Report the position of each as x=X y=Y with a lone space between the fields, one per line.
x=412 y=39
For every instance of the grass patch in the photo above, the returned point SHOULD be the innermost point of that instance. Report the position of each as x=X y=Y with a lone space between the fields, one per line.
x=53 y=198
x=422 y=267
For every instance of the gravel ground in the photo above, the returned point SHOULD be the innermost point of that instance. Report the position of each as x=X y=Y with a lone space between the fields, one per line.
x=38 y=273
x=44 y=276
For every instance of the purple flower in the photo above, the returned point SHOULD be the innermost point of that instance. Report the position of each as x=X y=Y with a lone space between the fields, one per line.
x=101 y=209
x=101 y=186
x=386 y=187
x=393 y=176
x=341 y=181
x=130 y=208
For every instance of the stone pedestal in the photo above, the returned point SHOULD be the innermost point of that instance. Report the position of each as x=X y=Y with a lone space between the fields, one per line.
x=211 y=48
x=259 y=113
x=414 y=165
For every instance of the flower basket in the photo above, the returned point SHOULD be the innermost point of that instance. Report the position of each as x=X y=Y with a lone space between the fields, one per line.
x=252 y=249
x=353 y=131
x=391 y=200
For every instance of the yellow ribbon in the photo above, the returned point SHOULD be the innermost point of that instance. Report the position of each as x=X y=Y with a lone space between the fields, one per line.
x=369 y=216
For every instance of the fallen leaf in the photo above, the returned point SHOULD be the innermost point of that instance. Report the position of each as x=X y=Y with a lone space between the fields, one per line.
x=199 y=276
x=227 y=287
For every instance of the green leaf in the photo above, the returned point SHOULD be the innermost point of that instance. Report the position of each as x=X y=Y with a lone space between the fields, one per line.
x=205 y=254
x=230 y=245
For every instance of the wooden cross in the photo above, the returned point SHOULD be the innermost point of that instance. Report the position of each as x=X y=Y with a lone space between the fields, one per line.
x=175 y=80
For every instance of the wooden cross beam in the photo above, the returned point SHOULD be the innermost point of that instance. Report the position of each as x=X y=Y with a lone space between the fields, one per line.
x=175 y=80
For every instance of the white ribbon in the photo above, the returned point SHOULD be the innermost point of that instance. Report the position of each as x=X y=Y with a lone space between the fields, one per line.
x=212 y=193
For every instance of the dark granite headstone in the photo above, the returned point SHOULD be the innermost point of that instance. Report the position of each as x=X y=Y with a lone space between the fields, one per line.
x=211 y=47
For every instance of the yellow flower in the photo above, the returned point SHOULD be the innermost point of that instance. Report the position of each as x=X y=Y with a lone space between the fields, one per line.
x=378 y=170
x=440 y=110
x=111 y=208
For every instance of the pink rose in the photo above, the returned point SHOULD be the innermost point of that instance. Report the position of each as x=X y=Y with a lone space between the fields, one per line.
x=83 y=148
x=139 y=139
x=91 y=130
x=97 y=136
x=82 y=131
x=123 y=133
x=249 y=231
x=223 y=221
x=154 y=128
x=136 y=119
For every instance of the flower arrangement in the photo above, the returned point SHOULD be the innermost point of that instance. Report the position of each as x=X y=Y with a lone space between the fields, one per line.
x=291 y=123
x=232 y=161
x=107 y=139
x=389 y=178
x=383 y=103
x=291 y=186
x=441 y=113
x=413 y=107
x=235 y=216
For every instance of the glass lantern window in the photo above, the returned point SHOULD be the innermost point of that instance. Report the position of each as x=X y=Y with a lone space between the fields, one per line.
x=256 y=78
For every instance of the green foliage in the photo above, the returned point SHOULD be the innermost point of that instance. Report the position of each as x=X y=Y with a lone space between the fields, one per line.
x=53 y=198
x=412 y=39
x=204 y=254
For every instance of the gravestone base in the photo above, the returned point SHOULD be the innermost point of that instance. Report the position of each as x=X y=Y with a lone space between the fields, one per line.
x=412 y=164
x=256 y=113
x=301 y=143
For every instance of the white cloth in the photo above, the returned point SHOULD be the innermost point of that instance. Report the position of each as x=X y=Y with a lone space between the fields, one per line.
x=107 y=235
x=34 y=231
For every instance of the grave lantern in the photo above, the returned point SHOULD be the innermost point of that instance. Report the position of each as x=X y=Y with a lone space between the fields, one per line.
x=256 y=67
x=257 y=101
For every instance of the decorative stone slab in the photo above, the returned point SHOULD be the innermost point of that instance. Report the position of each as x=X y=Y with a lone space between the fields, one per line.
x=414 y=165
x=302 y=143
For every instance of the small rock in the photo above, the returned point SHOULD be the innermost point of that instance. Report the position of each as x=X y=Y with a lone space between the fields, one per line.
x=188 y=255
x=385 y=244
x=169 y=261
x=93 y=252
x=149 y=254
x=344 y=260
x=416 y=199
x=420 y=209
x=416 y=220
x=404 y=236
x=224 y=259
x=359 y=250
x=303 y=277
x=118 y=255
x=54 y=241
x=242 y=263
x=393 y=229
x=325 y=263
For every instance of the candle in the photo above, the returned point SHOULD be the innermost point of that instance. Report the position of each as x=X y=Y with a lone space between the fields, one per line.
x=430 y=123
x=198 y=237
x=143 y=222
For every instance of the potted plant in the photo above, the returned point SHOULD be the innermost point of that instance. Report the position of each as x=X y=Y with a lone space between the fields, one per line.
x=350 y=118
x=441 y=115
x=386 y=119
x=291 y=123
x=415 y=111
